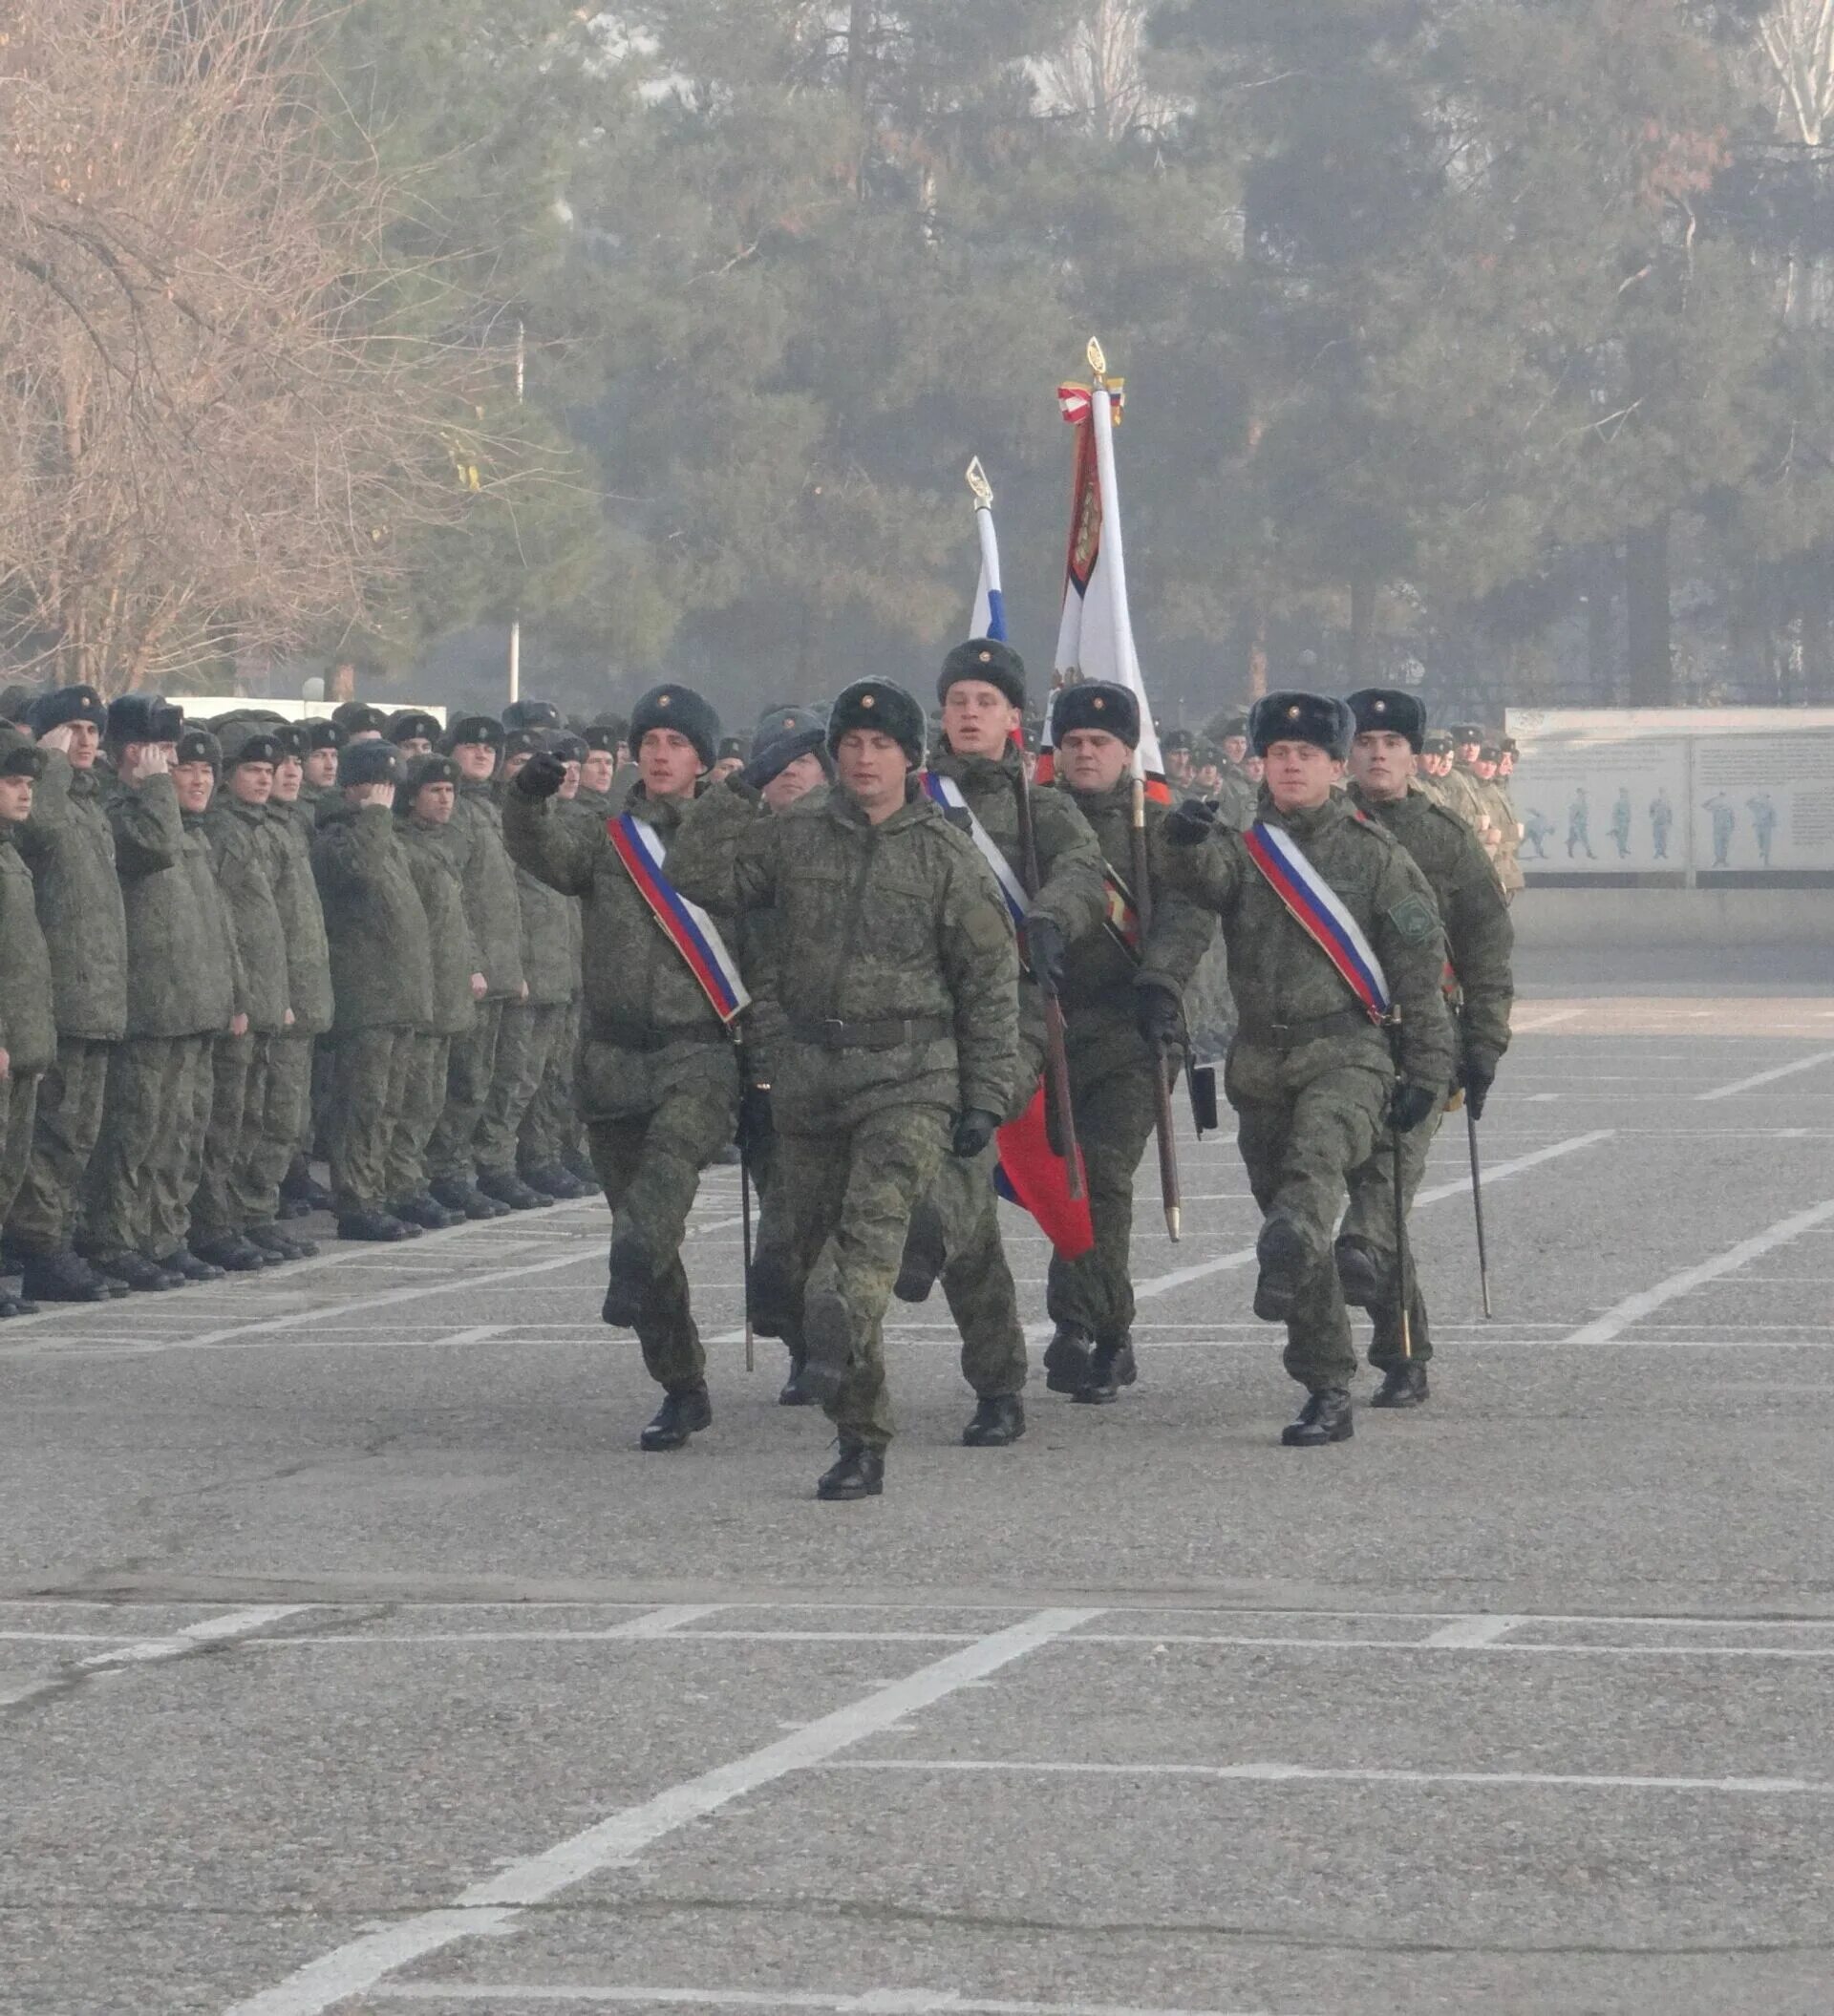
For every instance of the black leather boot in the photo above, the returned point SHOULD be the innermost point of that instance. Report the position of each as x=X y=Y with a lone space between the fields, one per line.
x=458 y=1194
x=1066 y=1359
x=795 y=1394
x=828 y=1338
x=679 y=1416
x=627 y=1286
x=377 y=1226
x=1111 y=1366
x=233 y=1254
x=1283 y=1254
x=506 y=1187
x=62 y=1277
x=421 y=1210
x=282 y=1245
x=1403 y=1385
x=1323 y=1418
x=996 y=1423
x=552 y=1180
x=857 y=1473
x=145 y=1277
x=190 y=1266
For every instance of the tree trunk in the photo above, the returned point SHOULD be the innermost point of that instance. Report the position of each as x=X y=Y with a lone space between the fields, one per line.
x=1258 y=657
x=1648 y=645
x=859 y=35
x=1362 y=627
x=1601 y=616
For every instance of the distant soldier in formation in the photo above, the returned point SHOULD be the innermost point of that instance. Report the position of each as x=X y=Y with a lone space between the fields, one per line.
x=1390 y=729
x=28 y=1022
x=1122 y=994
x=900 y=1030
x=1311 y=1074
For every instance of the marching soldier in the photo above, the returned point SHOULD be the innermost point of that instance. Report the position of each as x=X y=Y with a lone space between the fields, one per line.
x=1175 y=746
x=28 y=1024
x=1436 y=759
x=232 y=1211
x=1390 y=729
x=381 y=981
x=1328 y=921
x=473 y=743
x=1510 y=853
x=1123 y=1004
x=1236 y=791
x=658 y=1083
x=957 y=1230
x=899 y=1028
x=1459 y=784
x=423 y=822
x=70 y=848
x=1501 y=837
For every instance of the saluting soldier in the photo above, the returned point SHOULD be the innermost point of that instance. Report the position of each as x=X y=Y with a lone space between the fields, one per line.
x=381 y=981
x=70 y=848
x=899 y=1033
x=658 y=1082
x=1123 y=1001
x=1310 y=1073
x=475 y=742
x=278 y=1165
x=1391 y=727
x=235 y=1206
x=28 y=1021
x=423 y=808
x=957 y=1230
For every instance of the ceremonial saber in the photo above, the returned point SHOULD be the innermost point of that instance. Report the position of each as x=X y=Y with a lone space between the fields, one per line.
x=1477 y=1206
x=1400 y=1249
x=745 y=1236
x=1102 y=421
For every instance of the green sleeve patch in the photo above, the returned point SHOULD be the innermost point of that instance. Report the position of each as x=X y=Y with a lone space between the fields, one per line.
x=1415 y=920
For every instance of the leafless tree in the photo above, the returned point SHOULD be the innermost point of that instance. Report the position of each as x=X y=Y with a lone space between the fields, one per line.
x=1797 y=41
x=220 y=422
x=1099 y=74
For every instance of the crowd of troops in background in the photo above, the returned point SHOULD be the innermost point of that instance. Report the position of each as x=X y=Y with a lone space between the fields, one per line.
x=423 y=954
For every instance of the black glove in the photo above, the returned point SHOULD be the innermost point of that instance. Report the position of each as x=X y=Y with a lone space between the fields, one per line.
x=1190 y=822
x=1478 y=1074
x=1412 y=1105
x=755 y=1124
x=973 y=1130
x=1156 y=1014
x=541 y=776
x=1044 y=950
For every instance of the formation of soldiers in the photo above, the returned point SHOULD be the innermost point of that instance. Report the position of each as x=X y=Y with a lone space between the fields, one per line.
x=484 y=967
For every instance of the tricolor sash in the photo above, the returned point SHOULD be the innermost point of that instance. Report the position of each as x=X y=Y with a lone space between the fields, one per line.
x=686 y=925
x=947 y=794
x=1319 y=911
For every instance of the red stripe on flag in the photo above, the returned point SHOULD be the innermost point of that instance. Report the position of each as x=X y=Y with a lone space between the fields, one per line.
x=1035 y=1178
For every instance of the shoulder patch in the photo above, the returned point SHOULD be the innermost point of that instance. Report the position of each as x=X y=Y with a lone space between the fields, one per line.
x=1415 y=920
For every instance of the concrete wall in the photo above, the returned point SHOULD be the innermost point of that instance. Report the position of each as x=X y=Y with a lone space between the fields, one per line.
x=1675 y=917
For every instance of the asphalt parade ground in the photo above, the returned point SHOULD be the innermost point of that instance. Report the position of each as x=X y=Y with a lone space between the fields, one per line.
x=353 y=1659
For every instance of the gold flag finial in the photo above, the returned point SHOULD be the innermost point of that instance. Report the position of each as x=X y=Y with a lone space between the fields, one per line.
x=1097 y=363
x=975 y=478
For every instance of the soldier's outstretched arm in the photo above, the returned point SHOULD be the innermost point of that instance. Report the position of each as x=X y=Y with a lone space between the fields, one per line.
x=558 y=851
x=724 y=855
x=980 y=960
x=148 y=827
x=1410 y=943
x=1070 y=891
x=1207 y=871
x=1481 y=940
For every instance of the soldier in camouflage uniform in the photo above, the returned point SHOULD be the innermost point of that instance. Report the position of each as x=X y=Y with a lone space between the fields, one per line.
x=1435 y=760
x=423 y=811
x=496 y=920
x=28 y=1024
x=235 y=1206
x=1311 y=1077
x=1510 y=853
x=1122 y=1004
x=70 y=848
x=1503 y=836
x=1236 y=791
x=897 y=979
x=284 y=1122
x=658 y=1079
x=1390 y=729
x=381 y=981
x=957 y=1230
x=1459 y=785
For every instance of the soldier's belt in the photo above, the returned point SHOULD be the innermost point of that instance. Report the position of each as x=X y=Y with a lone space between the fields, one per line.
x=1289 y=1036
x=643 y=1035
x=890 y=1033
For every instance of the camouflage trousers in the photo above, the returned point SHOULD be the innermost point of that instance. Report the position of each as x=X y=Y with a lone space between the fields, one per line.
x=525 y=1040
x=149 y=1115
x=1299 y=1150
x=18 y=1105
x=275 y=1127
x=227 y=1199
x=850 y=1198
x=179 y=1164
x=1114 y=1117
x=1371 y=1218
x=649 y=1166
x=470 y=1070
x=369 y=1073
x=550 y=1132
x=65 y=1129
x=955 y=1231
x=423 y=1098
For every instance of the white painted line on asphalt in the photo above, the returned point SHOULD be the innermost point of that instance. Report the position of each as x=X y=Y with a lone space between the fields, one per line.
x=1541 y=1022
x=871 y=2002
x=1634 y=1309
x=1766 y=1078
x=491 y=1905
x=1464 y=1633
x=1272 y=1773
x=660 y=1623
x=212 y=1630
